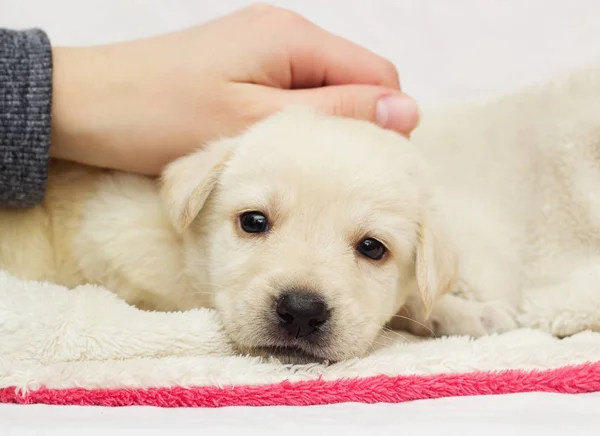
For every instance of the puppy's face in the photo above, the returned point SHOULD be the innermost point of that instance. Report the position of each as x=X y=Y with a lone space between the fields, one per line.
x=311 y=232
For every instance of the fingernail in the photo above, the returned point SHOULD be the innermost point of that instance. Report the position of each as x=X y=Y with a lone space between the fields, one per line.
x=397 y=112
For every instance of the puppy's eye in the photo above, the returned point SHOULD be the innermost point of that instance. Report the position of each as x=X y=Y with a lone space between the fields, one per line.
x=254 y=222
x=371 y=248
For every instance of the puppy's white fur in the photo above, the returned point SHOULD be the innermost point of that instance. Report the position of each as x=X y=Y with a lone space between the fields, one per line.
x=512 y=196
x=518 y=183
x=325 y=183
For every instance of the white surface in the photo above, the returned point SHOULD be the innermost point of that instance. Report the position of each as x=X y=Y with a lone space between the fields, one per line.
x=444 y=50
x=515 y=415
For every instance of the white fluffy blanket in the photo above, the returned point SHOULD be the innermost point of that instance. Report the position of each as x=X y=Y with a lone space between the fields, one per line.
x=89 y=338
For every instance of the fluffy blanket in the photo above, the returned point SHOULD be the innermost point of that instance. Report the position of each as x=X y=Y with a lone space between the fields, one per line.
x=86 y=346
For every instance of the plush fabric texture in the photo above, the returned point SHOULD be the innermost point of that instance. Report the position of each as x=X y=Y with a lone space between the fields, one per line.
x=571 y=380
x=86 y=346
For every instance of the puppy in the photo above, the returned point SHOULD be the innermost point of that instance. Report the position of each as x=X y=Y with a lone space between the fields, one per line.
x=307 y=233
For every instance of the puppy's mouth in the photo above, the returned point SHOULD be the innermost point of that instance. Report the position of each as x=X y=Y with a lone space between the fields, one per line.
x=288 y=349
x=287 y=354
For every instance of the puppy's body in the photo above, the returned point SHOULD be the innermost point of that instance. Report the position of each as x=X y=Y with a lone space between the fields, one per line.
x=101 y=227
x=518 y=183
x=37 y=244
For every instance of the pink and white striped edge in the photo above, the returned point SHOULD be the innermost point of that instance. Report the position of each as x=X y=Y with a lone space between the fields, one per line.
x=575 y=379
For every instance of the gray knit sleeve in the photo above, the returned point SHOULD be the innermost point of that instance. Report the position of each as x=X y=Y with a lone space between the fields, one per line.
x=25 y=116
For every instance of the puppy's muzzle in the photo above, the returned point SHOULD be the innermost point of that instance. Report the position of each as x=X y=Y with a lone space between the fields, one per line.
x=301 y=313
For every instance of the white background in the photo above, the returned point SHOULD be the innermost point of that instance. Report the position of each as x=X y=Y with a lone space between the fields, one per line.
x=509 y=415
x=445 y=50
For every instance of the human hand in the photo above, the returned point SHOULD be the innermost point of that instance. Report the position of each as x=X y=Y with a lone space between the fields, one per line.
x=138 y=105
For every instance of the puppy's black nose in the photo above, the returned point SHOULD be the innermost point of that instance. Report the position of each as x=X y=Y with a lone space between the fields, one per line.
x=301 y=313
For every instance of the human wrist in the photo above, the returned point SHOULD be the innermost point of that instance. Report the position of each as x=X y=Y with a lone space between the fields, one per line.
x=80 y=95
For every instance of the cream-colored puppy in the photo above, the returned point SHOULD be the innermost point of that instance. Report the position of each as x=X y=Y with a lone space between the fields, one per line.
x=307 y=233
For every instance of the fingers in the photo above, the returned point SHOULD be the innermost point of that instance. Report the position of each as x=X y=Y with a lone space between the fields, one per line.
x=336 y=76
x=391 y=110
x=337 y=61
x=318 y=58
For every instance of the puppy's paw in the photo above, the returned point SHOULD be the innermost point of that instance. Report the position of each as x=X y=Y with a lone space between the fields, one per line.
x=564 y=325
x=564 y=308
x=498 y=317
x=561 y=324
x=454 y=316
x=570 y=323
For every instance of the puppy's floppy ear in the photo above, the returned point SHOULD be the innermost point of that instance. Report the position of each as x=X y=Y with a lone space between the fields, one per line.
x=188 y=181
x=436 y=261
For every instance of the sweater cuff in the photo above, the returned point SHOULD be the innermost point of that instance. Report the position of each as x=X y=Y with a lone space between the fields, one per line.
x=25 y=116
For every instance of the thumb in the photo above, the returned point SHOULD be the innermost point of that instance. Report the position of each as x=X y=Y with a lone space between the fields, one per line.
x=388 y=108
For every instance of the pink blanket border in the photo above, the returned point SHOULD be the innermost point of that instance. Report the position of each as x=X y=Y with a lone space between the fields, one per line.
x=569 y=379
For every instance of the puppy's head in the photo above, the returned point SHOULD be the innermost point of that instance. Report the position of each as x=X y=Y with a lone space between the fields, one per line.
x=310 y=231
